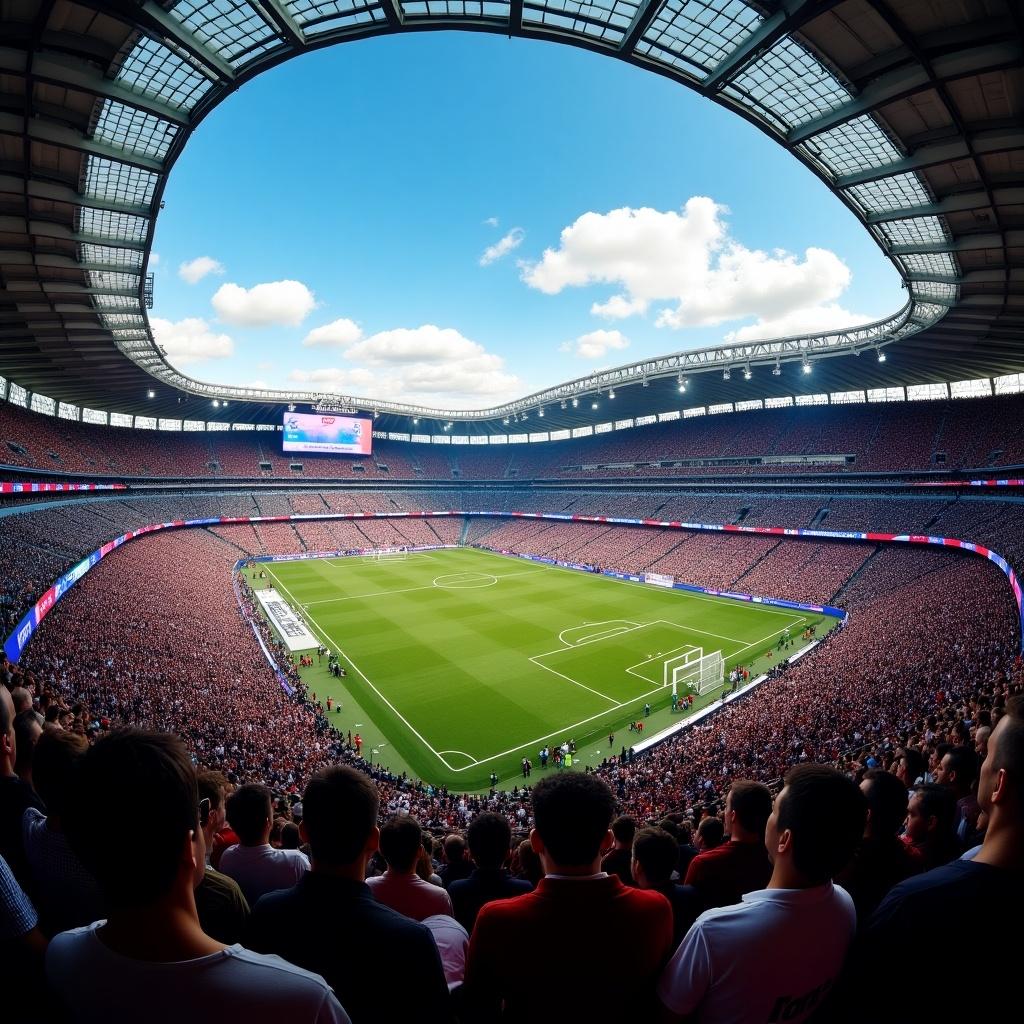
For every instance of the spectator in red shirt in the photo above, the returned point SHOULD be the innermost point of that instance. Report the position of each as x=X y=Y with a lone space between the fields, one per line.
x=724 y=874
x=619 y=860
x=507 y=980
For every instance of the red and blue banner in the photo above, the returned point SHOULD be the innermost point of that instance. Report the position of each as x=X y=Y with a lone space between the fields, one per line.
x=35 y=487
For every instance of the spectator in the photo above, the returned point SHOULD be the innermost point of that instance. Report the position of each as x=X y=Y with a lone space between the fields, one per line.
x=456 y=863
x=27 y=730
x=490 y=837
x=618 y=860
x=15 y=794
x=526 y=864
x=974 y=899
x=958 y=770
x=724 y=873
x=452 y=941
x=881 y=860
x=710 y=835
x=400 y=887
x=330 y=923
x=910 y=769
x=151 y=958
x=505 y=976
x=775 y=955
x=66 y=893
x=655 y=854
x=682 y=832
x=223 y=908
x=930 y=828
x=22 y=947
x=254 y=864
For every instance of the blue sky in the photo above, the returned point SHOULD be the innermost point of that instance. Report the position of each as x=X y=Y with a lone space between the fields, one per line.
x=341 y=206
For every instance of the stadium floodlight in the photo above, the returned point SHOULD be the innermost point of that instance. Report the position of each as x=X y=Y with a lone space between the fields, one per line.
x=645 y=383
x=806 y=363
x=505 y=421
x=593 y=405
x=726 y=374
x=216 y=404
x=540 y=412
x=415 y=421
x=881 y=355
x=575 y=402
x=611 y=393
x=777 y=369
x=151 y=393
x=563 y=403
x=291 y=407
x=747 y=372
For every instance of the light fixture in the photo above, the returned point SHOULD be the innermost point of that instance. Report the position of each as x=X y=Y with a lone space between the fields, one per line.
x=291 y=407
x=575 y=402
x=563 y=403
x=540 y=412
x=881 y=356
x=747 y=373
x=505 y=421
x=682 y=387
x=216 y=404
x=806 y=364
x=593 y=405
x=151 y=393
x=225 y=402
x=415 y=421
x=726 y=374
x=611 y=393
x=645 y=383
x=777 y=369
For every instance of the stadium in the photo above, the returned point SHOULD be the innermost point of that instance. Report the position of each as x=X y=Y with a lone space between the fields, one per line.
x=700 y=661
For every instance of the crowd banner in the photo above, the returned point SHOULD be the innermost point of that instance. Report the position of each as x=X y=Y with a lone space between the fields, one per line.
x=15 y=644
x=34 y=487
x=292 y=630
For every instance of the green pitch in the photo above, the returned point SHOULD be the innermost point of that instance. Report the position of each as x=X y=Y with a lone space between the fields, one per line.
x=461 y=662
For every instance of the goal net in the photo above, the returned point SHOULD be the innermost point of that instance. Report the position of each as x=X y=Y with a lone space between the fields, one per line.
x=387 y=554
x=701 y=672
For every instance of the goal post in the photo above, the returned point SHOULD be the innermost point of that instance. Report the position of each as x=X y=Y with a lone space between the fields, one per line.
x=399 y=554
x=702 y=672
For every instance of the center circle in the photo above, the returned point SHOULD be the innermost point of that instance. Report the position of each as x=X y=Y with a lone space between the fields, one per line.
x=465 y=581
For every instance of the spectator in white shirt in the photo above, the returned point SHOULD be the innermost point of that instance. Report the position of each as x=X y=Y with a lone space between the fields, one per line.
x=400 y=887
x=774 y=956
x=254 y=864
x=150 y=960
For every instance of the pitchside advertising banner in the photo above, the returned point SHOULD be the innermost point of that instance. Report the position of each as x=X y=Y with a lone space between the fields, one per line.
x=292 y=630
x=33 y=487
x=330 y=434
x=19 y=638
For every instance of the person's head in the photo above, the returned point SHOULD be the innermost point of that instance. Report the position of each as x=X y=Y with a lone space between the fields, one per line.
x=887 y=803
x=931 y=813
x=747 y=808
x=212 y=788
x=981 y=738
x=958 y=769
x=55 y=763
x=339 y=818
x=910 y=766
x=151 y=774
x=290 y=836
x=1001 y=784
x=250 y=814
x=8 y=742
x=655 y=854
x=27 y=731
x=710 y=834
x=454 y=848
x=401 y=840
x=21 y=698
x=624 y=829
x=572 y=813
x=526 y=864
x=490 y=837
x=815 y=825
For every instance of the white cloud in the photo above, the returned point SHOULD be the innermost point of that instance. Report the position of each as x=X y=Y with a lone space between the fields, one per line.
x=336 y=334
x=688 y=260
x=191 y=340
x=427 y=364
x=286 y=303
x=812 y=320
x=265 y=364
x=491 y=222
x=502 y=247
x=596 y=344
x=154 y=260
x=195 y=270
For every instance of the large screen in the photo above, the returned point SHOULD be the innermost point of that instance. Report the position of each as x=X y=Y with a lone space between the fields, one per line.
x=327 y=434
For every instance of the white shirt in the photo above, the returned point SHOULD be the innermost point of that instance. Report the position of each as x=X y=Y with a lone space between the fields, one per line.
x=452 y=942
x=771 y=958
x=262 y=869
x=98 y=985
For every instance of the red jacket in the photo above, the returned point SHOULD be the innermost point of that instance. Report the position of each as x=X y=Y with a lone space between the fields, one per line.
x=573 y=949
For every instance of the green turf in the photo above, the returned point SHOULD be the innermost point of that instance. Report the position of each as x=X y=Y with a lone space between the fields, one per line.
x=462 y=661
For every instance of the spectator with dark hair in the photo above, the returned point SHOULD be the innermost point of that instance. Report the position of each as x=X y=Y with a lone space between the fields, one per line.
x=16 y=795
x=329 y=922
x=457 y=864
x=775 y=955
x=910 y=768
x=723 y=874
x=490 y=837
x=958 y=770
x=619 y=859
x=655 y=855
x=290 y=838
x=508 y=975
x=66 y=893
x=682 y=832
x=254 y=864
x=930 y=833
x=977 y=900
x=710 y=835
x=150 y=959
x=222 y=906
x=526 y=864
x=881 y=860
x=401 y=842
x=27 y=730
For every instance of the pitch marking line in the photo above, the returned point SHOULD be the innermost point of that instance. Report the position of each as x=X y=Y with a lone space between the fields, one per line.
x=591 y=637
x=461 y=753
x=575 y=682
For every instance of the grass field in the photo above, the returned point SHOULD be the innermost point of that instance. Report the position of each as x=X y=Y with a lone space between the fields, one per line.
x=461 y=662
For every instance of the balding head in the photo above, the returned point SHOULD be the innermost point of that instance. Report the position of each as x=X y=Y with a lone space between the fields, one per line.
x=22 y=699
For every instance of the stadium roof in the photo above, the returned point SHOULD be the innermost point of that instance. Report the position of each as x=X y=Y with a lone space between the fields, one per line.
x=911 y=111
